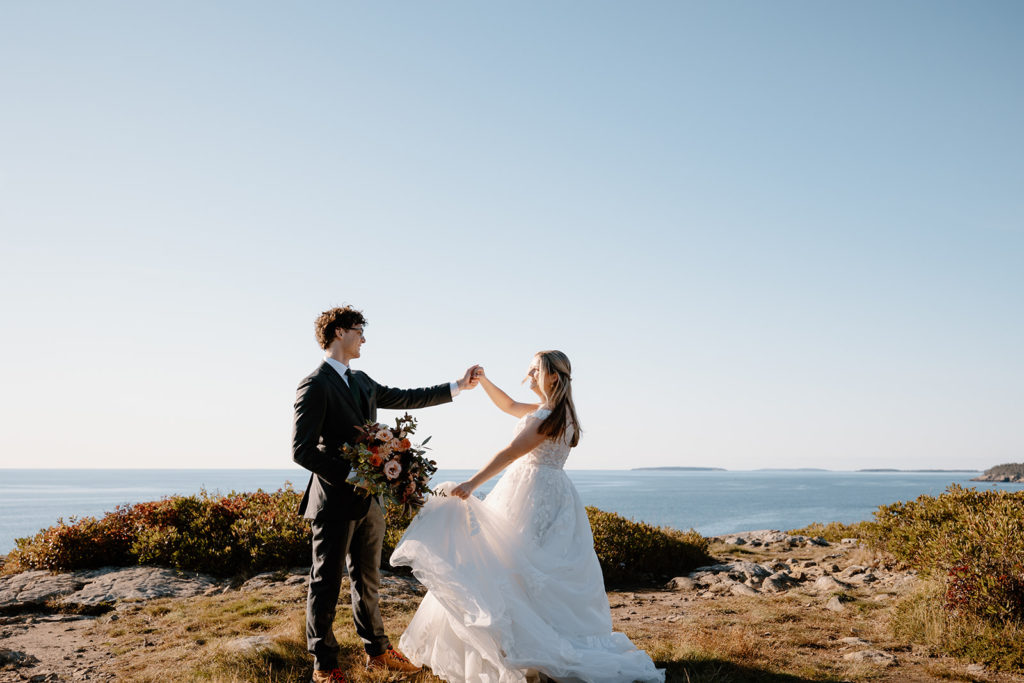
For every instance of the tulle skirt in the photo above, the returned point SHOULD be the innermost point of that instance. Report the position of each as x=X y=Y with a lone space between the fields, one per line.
x=515 y=588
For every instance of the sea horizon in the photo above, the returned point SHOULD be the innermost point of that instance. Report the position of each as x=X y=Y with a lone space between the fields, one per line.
x=695 y=468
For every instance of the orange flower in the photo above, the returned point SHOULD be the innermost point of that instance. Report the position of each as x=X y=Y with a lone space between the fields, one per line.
x=376 y=460
x=406 y=444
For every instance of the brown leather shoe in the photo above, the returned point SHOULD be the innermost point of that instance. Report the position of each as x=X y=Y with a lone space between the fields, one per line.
x=392 y=660
x=332 y=676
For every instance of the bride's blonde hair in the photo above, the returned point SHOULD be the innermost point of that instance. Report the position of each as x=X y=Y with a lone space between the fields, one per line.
x=563 y=410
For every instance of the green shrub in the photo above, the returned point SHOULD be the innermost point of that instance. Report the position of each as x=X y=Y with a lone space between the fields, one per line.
x=272 y=535
x=249 y=532
x=972 y=541
x=834 y=532
x=85 y=543
x=633 y=551
x=397 y=522
x=222 y=535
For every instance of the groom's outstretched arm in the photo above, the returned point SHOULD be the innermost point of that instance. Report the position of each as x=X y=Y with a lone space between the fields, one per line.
x=310 y=412
x=410 y=399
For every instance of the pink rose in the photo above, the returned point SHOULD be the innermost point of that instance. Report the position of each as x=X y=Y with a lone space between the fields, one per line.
x=392 y=469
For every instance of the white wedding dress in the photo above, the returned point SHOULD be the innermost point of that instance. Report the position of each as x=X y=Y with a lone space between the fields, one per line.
x=514 y=585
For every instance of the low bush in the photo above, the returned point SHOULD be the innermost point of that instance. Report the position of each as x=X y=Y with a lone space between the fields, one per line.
x=972 y=541
x=834 y=532
x=243 y=533
x=221 y=535
x=634 y=551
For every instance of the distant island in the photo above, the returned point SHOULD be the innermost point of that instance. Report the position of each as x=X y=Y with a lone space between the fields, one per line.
x=891 y=469
x=685 y=469
x=1012 y=472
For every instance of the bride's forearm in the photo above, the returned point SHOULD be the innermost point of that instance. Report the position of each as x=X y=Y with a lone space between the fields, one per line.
x=498 y=397
x=505 y=402
x=500 y=461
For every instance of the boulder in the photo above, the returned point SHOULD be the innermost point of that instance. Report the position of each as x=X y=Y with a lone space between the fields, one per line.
x=15 y=658
x=872 y=657
x=835 y=604
x=36 y=587
x=739 y=570
x=681 y=583
x=250 y=645
x=137 y=583
x=260 y=580
x=778 y=582
x=830 y=583
x=743 y=590
x=859 y=642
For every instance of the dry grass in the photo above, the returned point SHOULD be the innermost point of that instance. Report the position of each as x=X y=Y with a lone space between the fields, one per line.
x=786 y=638
x=189 y=639
x=922 y=619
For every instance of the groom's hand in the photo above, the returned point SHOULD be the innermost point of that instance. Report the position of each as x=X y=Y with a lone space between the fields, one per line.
x=470 y=379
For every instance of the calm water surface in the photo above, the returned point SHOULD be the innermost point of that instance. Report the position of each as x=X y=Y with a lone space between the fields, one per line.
x=710 y=502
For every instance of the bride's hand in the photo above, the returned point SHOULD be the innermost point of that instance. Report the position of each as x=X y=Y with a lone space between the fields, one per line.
x=470 y=379
x=463 y=490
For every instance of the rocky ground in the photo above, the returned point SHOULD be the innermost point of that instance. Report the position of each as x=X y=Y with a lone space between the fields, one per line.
x=775 y=607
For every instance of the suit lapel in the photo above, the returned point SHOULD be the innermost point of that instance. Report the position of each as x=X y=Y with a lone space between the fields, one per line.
x=339 y=385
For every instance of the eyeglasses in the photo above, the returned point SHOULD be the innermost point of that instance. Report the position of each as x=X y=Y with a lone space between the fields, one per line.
x=356 y=329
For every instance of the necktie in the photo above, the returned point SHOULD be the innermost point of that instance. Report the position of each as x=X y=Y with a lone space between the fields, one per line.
x=353 y=389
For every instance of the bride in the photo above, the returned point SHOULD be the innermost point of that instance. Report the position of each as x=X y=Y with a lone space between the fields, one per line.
x=515 y=587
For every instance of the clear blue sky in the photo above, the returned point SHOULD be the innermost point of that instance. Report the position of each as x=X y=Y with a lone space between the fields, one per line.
x=779 y=234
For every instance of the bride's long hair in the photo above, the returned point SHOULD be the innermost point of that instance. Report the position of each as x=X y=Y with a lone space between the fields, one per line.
x=563 y=410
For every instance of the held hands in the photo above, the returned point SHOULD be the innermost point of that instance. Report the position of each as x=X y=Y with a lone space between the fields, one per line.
x=471 y=378
x=463 y=490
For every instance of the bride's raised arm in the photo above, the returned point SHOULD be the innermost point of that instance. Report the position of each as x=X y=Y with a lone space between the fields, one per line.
x=503 y=400
x=525 y=441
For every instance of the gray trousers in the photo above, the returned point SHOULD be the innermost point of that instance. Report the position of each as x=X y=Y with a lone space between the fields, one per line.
x=357 y=543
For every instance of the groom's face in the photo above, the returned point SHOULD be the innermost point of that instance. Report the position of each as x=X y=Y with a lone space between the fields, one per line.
x=352 y=340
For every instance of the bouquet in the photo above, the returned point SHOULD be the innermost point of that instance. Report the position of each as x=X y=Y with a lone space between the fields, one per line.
x=386 y=463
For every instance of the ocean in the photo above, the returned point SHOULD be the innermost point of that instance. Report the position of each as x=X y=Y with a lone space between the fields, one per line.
x=712 y=502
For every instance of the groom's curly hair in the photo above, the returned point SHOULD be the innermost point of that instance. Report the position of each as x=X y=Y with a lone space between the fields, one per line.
x=334 y=319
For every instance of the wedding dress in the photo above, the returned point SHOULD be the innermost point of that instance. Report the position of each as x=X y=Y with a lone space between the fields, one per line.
x=514 y=585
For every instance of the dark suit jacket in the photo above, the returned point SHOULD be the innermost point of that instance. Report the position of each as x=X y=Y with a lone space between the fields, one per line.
x=326 y=416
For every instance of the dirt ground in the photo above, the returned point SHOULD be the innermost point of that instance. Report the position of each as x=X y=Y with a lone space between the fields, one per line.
x=699 y=634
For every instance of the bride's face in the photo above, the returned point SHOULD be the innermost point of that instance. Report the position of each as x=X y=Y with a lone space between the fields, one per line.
x=539 y=377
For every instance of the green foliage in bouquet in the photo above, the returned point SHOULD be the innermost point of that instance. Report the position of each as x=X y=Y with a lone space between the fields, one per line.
x=386 y=463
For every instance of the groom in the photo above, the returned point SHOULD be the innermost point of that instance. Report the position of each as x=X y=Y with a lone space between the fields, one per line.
x=348 y=529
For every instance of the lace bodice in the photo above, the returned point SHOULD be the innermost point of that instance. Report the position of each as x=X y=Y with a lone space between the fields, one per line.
x=551 y=453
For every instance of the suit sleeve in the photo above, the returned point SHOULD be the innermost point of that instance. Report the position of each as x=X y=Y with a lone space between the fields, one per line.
x=310 y=412
x=410 y=399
